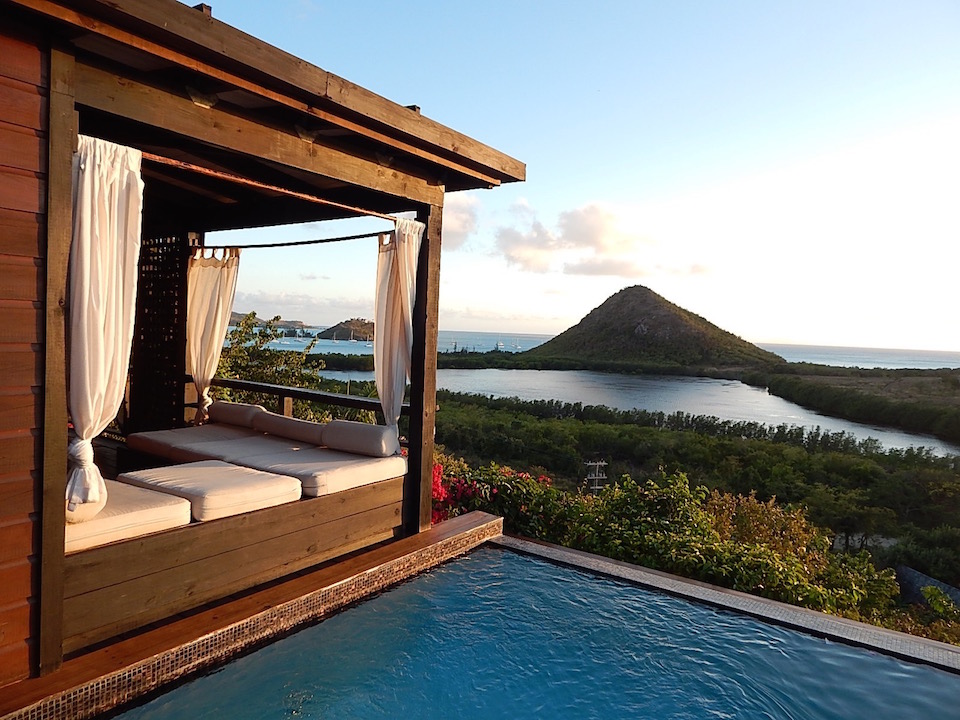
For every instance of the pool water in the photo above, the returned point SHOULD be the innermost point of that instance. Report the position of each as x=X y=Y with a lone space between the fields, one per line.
x=501 y=635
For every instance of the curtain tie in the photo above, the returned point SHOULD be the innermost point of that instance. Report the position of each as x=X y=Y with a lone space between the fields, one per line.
x=203 y=404
x=80 y=452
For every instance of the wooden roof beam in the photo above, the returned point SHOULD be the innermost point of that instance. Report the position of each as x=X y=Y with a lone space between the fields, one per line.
x=104 y=91
x=465 y=155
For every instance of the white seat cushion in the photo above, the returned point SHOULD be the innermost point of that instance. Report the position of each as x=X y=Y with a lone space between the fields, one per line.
x=218 y=489
x=180 y=445
x=232 y=450
x=322 y=471
x=130 y=512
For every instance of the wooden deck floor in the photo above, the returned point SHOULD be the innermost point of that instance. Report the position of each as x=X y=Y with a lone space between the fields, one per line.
x=98 y=680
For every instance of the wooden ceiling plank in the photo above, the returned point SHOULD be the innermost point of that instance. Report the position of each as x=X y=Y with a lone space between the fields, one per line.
x=194 y=188
x=352 y=96
x=152 y=106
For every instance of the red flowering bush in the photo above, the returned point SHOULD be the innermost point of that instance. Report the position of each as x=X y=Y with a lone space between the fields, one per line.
x=441 y=508
x=458 y=488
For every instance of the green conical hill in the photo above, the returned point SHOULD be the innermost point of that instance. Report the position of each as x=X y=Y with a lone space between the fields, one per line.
x=637 y=325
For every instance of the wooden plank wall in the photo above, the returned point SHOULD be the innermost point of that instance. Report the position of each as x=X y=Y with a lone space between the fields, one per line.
x=123 y=586
x=24 y=92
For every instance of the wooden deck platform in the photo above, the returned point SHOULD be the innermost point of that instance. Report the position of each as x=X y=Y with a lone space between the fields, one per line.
x=120 y=671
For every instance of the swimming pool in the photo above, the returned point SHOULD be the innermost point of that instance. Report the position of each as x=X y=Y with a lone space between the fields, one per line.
x=499 y=634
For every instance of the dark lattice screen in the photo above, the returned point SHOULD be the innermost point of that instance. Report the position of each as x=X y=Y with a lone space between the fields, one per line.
x=157 y=365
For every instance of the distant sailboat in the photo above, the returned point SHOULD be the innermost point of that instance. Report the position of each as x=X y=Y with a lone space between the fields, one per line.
x=335 y=337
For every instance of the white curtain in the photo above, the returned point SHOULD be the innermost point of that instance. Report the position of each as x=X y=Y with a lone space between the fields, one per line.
x=211 y=283
x=393 y=328
x=104 y=251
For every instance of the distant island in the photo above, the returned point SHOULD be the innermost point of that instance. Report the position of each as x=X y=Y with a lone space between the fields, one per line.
x=358 y=329
x=353 y=329
x=236 y=317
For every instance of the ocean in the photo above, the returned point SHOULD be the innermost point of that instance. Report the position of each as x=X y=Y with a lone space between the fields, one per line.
x=866 y=357
x=447 y=341
x=454 y=340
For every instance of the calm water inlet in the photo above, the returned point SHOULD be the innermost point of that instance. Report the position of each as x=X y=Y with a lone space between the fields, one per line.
x=501 y=635
x=725 y=399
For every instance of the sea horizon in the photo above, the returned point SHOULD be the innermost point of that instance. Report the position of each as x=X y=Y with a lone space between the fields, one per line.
x=485 y=341
x=762 y=344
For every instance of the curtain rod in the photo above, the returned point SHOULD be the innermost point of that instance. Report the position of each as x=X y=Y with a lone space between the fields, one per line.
x=264 y=186
x=289 y=244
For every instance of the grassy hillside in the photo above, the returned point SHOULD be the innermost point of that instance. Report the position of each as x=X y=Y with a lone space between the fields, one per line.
x=636 y=325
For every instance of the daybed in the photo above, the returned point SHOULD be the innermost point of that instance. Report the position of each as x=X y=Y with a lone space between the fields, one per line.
x=325 y=458
x=246 y=459
x=352 y=487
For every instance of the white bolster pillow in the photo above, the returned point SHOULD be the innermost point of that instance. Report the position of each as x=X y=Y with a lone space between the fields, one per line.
x=361 y=438
x=292 y=428
x=231 y=413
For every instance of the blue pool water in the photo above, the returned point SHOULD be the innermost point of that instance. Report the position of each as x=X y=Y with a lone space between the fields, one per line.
x=502 y=635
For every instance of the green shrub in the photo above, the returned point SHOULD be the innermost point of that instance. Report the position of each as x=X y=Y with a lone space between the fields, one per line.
x=246 y=356
x=665 y=524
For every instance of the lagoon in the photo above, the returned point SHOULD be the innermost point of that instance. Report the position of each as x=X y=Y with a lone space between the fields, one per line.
x=725 y=399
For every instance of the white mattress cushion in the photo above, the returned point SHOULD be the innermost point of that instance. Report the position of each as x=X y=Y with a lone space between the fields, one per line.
x=361 y=438
x=289 y=427
x=181 y=444
x=233 y=413
x=130 y=512
x=322 y=471
x=85 y=512
x=218 y=489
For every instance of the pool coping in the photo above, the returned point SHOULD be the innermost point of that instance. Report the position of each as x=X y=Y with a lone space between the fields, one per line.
x=851 y=632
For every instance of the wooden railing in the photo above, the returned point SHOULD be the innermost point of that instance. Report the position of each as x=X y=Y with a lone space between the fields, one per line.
x=286 y=395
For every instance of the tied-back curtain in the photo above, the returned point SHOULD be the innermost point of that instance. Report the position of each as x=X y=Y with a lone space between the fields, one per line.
x=104 y=252
x=393 y=327
x=211 y=284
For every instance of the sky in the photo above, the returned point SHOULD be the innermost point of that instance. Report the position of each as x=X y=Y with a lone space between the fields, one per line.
x=788 y=170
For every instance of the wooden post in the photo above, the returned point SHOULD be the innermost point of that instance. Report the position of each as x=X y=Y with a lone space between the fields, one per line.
x=418 y=485
x=62 y=142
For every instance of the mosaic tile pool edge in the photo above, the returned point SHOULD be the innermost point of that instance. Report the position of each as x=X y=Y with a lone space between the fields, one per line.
x=114 y=689
x=907 y=647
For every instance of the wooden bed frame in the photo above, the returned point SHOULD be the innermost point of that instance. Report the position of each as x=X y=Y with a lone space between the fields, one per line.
x=125 y=585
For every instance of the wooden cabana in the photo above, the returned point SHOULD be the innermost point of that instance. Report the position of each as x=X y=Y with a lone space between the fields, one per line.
x=177 y=84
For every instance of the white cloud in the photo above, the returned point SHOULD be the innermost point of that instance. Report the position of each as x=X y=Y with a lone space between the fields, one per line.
x=608 y=266
x=597 y=229
x=533 y=250
x=459 y=220
x=522 y=210
x=590 y=240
